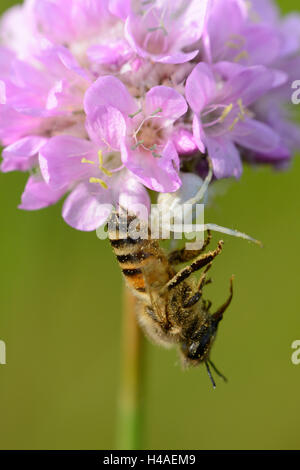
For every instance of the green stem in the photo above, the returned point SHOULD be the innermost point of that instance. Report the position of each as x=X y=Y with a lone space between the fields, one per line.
x=130 y=416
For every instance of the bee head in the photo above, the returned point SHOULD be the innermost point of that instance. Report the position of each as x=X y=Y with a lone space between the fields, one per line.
x=197 y=343
x=196 y=348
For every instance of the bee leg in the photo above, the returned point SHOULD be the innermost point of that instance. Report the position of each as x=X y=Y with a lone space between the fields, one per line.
x=200 y=262
x=203 y=278
x=150 y=312
x=183 y=255
x=218 y=315
x=202 y=282
x=207 y=304
x=193 y=300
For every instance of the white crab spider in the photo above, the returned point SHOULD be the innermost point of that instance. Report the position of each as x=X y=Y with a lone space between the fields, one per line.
x=174 y=202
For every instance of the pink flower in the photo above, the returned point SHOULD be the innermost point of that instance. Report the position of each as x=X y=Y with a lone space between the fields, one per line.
x=141 y=130
x=161 y=30
x=121 y=136
x=243 y=38
x=97 y=182
x=36 y=100
x=221 y=98
x=71 y=20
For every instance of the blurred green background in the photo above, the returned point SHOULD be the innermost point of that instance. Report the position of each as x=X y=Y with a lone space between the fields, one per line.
x=60 y=303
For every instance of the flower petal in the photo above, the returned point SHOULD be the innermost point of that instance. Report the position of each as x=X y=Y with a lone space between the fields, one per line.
x=107 y=127
x=177 y=57
x=184 y=142
x=164 y=29
x=111 y=92
x=22 y=155
x=38 y=194
x=159 y=174
x=199 y=134
x=262 y=44
x=116 y=53
x=225 y=158
x=61 y=160
x=248 y=85
x=255 y=135
x=14 y=125
x=277 y=156
x=120 y=8
x=132 y=195
x=87 y=207
x=53 y=20
x=266 y=10
x=191 y=19
x=171 y=103
x=200 y=87
x=291 y=31
x=7 y=57
x=145 y=36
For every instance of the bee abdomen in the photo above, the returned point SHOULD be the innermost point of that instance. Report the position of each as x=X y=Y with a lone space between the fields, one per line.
x=134 y=277
x=132 y=272
x=135 y=259
x=132 y=265
x=132 y=253
x=120 y=243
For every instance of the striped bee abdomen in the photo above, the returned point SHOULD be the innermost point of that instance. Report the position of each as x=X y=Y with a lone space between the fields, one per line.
x=132 y=253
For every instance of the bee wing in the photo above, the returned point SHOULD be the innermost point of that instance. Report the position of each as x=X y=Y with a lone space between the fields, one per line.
x=153 y=287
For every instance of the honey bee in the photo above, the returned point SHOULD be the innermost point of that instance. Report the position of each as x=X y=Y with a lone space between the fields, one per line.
x=171 y=310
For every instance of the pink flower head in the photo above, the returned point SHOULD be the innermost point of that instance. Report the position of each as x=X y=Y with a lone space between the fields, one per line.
x=94 y=93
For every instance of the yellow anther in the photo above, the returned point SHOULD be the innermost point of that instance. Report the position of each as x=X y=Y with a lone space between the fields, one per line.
x=84 y=160
x=241 y=115
x=106 y=172
x=241 y=55
x=98 y=181
x=226 y=111
x=101 y=167
x=234 y=124
x=242 y=109
x=254 y=16
x=100 y=158
x=238 y=37
x=240 y=103
x=232 y=45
